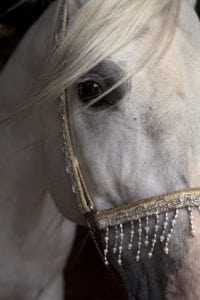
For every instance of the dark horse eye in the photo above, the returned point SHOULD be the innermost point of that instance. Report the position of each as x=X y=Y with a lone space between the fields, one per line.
x=89 y=90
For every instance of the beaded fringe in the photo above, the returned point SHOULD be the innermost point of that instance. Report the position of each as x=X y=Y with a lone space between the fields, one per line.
x=141 y=239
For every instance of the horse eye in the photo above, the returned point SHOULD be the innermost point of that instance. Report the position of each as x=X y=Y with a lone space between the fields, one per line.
x=89 y=90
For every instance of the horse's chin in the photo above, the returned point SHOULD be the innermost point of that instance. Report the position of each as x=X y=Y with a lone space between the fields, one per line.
x=184 y=283
x=163 y=277
x=145 y=280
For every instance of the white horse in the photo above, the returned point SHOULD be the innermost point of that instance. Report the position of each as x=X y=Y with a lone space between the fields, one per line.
x=139 y=140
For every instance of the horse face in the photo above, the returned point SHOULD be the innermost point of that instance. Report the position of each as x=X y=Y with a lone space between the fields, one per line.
x=141 y=140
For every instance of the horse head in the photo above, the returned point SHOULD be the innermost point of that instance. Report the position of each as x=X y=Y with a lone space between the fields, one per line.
x=130 y=74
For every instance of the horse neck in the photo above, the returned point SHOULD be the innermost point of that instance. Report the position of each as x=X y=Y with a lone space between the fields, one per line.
x=22 y=177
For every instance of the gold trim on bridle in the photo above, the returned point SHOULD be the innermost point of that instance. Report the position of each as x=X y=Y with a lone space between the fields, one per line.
x=139 y=209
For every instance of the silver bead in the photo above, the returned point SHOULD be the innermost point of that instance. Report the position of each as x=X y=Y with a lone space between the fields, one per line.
x=114 y=250
x=162 y=238
x=106 y=263
x=74 y=188
x=130 y=246
x=173 y=222
x=193 y=233
x=138 y=258
x=166 y=249
x=119 y=262
x=169 y=236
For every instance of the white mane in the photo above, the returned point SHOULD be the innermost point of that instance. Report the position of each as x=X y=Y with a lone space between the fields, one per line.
x=99 y=29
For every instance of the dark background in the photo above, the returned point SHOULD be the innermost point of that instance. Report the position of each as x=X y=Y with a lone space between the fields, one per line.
x=86 y=276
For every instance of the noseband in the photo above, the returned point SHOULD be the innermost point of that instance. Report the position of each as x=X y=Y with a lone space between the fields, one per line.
x=135 y=214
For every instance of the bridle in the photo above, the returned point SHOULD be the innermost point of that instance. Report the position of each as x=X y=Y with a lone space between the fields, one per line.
x=132 y=212
x=135 y=214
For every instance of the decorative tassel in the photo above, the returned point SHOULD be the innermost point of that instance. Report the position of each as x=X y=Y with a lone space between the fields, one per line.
x=121 y=245
x=147 y=232
x=106 y=247
x=130 y=245
x=116 y=240
x=139 y=239
x=169 y=235
x=150 y=254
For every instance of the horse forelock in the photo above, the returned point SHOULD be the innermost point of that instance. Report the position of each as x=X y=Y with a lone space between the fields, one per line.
x=96 y=31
